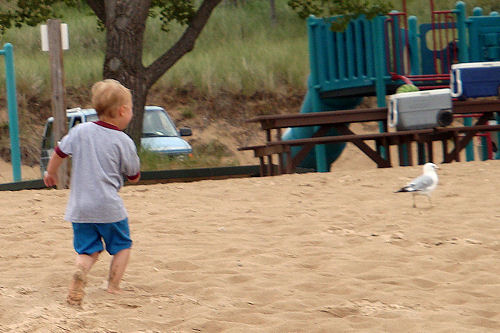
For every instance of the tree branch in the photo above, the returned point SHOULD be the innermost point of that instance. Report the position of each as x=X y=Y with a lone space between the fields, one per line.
x=99 y=9
x=184 y=45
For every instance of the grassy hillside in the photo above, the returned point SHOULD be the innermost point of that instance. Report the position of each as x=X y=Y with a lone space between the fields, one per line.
x=239 y=51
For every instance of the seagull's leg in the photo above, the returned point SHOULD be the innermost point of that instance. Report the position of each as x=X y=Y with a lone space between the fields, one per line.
x=414 y=203
x=429 y=198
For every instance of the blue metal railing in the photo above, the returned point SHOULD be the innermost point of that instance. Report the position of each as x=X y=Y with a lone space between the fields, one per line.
x=10 y=79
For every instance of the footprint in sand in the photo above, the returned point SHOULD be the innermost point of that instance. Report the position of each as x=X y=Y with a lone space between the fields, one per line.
x=341 y=311
x=425 y=284
x=181 y=266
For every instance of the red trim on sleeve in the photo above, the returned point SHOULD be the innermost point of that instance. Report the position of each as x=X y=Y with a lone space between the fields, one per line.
x=134 y=177
x=60 y=152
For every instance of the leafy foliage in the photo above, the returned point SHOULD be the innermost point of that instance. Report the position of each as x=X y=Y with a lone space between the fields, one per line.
x=29 y=12
x=173 y=10
x=347 y=10
x=15 y=13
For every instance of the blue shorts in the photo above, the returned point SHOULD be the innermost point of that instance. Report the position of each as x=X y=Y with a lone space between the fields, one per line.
x=88 y=237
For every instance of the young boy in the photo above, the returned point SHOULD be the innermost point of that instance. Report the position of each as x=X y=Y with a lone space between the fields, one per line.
x=101 y=155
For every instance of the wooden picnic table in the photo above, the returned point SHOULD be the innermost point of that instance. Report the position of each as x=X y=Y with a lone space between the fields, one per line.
x=340 y=120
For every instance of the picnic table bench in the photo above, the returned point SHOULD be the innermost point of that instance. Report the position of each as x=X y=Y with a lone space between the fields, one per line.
x=340 y=120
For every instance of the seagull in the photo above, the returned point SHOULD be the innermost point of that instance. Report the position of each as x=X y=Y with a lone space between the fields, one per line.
x=423 y=184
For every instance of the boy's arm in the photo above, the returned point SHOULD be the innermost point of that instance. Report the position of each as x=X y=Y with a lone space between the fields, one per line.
x=131 y=166
x=50 y=177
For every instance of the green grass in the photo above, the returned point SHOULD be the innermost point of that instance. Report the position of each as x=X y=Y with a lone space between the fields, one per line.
x=238 y=52
x=211 y=154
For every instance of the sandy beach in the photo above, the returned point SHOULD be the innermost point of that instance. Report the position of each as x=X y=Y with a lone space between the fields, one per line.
x=319 y=252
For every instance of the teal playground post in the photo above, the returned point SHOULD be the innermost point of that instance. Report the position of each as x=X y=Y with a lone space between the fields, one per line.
x=463 y=56
x=10 y=81
x=380 y=70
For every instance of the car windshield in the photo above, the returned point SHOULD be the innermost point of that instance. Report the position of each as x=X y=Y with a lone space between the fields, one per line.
x=157 y=123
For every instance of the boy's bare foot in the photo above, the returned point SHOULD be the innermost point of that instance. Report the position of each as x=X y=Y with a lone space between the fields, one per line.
x=76 y=289
x=128 y=290
x=114 y=291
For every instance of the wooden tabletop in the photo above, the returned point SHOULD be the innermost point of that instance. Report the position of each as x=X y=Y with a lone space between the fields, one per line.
x=362 y=115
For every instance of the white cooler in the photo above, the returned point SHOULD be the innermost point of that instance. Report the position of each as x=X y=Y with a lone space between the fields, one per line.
x=420 y=109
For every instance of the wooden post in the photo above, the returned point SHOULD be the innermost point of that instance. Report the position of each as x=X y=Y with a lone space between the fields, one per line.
x=58 y=105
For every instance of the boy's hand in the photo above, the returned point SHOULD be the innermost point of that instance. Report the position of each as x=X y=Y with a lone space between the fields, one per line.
x=49 y=179
x=50 y=176
x=134 y=179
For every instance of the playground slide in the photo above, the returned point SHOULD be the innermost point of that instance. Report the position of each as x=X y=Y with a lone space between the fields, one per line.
x=333 y=151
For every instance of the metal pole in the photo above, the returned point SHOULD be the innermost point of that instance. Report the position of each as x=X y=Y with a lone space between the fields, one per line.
x=12 y=106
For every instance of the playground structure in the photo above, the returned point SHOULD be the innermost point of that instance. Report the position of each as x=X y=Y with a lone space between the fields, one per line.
x=374 y=57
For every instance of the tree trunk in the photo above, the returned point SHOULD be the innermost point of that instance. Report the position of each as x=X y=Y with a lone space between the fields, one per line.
x=125 y=25
x=274 y=19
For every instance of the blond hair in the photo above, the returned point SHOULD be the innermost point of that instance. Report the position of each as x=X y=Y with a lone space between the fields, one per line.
x=108 y=96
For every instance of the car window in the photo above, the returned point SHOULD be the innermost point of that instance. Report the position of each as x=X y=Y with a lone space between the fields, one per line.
x=76 y=121
x=92 y=117
x=157 y=123
x=48 y=138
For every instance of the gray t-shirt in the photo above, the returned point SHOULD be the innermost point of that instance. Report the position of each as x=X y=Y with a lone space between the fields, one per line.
x=101 y=155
